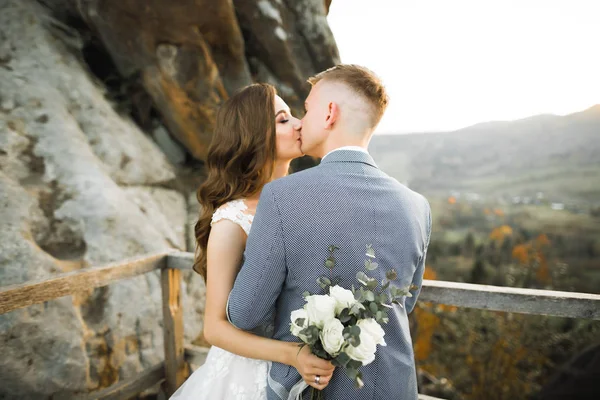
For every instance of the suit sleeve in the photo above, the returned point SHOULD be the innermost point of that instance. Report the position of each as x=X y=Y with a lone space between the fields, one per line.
x=257 y=286
x=420 y=270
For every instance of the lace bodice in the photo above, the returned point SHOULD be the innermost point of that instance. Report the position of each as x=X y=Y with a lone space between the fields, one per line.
x=235 y=211
x=225 y=375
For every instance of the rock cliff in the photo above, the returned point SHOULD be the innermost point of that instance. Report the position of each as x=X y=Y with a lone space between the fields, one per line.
x=84 y=182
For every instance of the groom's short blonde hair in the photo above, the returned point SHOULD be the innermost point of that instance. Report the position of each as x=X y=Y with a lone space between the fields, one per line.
x=360 y=80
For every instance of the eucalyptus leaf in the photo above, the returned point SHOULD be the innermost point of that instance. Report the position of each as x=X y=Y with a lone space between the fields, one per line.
x=311 y=338
x=321 y=353
x=392 y=275
x=369 y=296
x=372 y=284
x=352 y=373
x=385 y=320
x=362 y=277
x=370 y=265
x=356 y=309
x=383 y=298
x=344 y=315
x=342 y=359
x=373 y=308
x=324 y=282
x=370 y=251
x=354 y=341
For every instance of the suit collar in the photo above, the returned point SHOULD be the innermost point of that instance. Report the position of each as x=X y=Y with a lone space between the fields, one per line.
x=349 y=156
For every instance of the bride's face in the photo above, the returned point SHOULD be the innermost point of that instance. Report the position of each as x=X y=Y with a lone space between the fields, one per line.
x=287 y=129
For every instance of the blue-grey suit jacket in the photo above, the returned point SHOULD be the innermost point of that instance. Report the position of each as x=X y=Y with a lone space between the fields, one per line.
x=348 y=202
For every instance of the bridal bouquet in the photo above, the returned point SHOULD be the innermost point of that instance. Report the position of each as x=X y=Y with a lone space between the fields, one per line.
x=343 y=325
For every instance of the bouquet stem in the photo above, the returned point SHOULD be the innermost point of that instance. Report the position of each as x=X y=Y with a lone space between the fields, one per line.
x=316 y=394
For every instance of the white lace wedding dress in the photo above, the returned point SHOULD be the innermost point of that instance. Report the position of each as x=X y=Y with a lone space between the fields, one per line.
x=224 y=375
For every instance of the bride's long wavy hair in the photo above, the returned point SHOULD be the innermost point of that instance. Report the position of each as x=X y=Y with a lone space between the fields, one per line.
x=241 y=157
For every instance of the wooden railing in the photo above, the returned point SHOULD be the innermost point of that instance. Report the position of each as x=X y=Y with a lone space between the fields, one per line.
x=174 y=370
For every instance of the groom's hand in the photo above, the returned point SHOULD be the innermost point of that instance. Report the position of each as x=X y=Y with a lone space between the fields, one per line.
x=309 y=366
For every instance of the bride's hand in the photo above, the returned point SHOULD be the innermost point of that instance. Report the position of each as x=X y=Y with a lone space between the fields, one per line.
x=309 y=366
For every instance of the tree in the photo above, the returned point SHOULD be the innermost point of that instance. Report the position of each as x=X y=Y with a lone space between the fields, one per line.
x=469 y=245
x=478 y=274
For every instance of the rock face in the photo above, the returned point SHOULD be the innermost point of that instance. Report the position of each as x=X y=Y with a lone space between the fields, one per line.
x=82 y=185
x=79 y=185
x=191 y=54
x=287 y=41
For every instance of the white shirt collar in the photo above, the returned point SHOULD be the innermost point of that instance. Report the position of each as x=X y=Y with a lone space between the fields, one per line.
x=351 y=148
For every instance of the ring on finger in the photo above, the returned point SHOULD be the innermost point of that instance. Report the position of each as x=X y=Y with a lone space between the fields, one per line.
x=317 y=379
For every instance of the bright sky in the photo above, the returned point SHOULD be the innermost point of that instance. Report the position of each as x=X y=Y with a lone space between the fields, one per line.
x=450 y=64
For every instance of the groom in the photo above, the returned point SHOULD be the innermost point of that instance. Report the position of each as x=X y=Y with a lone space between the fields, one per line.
x=348 y=202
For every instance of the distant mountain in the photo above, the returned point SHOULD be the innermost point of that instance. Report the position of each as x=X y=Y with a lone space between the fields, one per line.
x=556 y=155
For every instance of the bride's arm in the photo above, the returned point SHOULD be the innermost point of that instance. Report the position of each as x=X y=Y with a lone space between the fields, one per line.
x=225 y=250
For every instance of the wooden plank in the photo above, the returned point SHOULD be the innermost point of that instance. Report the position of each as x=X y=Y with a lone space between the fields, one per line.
x=529 y=301
x=196 y=355
x=507 y=299
x=130 y=387
x=175 y=367
x=13 y=297
x=180 y=260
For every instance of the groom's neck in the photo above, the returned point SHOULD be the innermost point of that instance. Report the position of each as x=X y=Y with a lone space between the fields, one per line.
x=364 y=143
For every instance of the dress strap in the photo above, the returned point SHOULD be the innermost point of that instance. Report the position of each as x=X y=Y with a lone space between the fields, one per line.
x=235 y=211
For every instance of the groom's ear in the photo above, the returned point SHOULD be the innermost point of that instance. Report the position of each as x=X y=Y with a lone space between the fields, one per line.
x=333 y=112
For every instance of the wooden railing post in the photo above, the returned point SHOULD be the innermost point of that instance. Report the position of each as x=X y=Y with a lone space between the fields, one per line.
x=175 y=367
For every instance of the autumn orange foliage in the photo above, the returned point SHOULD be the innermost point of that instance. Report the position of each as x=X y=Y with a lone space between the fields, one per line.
x=531 y=255
x=429 y=273
x=498 y=234
x=428 y=321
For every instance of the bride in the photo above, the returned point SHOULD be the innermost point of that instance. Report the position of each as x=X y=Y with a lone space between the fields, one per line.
x=255 y=139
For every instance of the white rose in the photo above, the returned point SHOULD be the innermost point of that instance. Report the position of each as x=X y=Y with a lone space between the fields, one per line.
x=373 y=328
x=365 y=352
x=332 y=336
x=343 y=298
x=320 y=309
x=294 y=327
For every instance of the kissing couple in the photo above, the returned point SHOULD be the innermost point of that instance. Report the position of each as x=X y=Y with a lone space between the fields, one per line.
x=263 y=234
